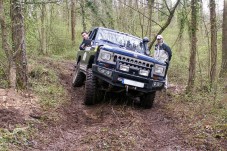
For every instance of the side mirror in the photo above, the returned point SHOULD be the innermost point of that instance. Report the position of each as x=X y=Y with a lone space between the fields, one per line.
x=145 y=46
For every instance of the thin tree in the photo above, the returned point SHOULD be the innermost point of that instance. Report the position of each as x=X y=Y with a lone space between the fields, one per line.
x=19 y=47
x=213 y=29
x=73 y=22
x=223 y=73
x=43 y=42
x=7 y=48
x=193 y=37
x=150 y=6
x=83 y=14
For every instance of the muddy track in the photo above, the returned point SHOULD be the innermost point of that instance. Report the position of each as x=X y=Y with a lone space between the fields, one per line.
x=110 y=125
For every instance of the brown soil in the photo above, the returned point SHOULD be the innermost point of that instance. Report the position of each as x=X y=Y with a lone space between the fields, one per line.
x=112 y=125
x=16 y=108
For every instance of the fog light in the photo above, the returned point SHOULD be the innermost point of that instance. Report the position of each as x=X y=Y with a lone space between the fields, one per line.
x=144 y=72
x=157 y=84
x=105 y=72
x=124 y=68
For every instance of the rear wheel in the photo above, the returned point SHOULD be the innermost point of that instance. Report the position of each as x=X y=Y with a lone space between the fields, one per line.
x=91 y=89
x=147 y=100
x=78 y=77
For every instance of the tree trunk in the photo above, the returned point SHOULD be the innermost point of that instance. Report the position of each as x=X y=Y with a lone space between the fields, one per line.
x=193 y=29
x=213 y=30
x=8 y=50
x=68 y=15
x=83 y=15
x=19 y=47
x=150 y=6
x=223 y=73
x=43 y=30
x=73 y=22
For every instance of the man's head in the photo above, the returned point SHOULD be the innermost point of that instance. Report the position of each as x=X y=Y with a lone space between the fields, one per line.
x=85 y=35
x=160 y=39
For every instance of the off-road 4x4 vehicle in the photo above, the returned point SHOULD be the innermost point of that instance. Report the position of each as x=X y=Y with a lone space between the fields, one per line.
x=118 y=62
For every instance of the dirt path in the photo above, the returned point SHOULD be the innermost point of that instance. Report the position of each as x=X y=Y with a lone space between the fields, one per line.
x=110 y=125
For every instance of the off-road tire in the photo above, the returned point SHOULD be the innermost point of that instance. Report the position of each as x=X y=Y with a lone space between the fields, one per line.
x=147 y=100
x=78 y=77
x=90 y=88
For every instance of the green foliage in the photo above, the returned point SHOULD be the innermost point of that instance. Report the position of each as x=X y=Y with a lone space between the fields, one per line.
x=3 y=70
x=18 y=137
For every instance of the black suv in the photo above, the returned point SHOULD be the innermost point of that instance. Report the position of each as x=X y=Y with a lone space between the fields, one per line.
x=118 y=62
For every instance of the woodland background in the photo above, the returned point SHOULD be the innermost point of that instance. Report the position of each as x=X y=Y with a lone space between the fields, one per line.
x=32 y=30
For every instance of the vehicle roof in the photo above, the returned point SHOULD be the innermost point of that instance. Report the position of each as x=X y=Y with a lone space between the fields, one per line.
x=112 y=30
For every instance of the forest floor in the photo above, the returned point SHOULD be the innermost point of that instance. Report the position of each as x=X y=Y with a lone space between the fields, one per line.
x=115 y=124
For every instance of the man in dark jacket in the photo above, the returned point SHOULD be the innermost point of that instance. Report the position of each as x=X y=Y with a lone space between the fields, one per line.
x=86 y=41
x=162 y=53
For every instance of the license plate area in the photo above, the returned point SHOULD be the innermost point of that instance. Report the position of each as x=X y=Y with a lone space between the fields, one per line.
x=133 y=83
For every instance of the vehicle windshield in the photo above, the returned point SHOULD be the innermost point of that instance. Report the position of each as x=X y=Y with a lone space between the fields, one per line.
x=121 y=39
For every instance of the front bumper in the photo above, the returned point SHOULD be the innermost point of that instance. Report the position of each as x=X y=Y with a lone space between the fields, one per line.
x=116 y=78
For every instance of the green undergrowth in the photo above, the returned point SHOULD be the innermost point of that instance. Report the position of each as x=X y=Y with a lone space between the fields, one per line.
x=45 y=83
x=203 y=115
x=17 y=139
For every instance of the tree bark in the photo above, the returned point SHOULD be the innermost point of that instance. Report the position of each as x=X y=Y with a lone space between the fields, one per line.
x=73 y=22
x=193 y=31
x=5 y=44
x=8 y=50
x=213 y=30
x=19 y=47
x=43 y=30
x=150 y=6
x=83 y=15
x=223 y=72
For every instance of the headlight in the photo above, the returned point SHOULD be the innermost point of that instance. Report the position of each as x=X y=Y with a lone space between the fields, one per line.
x=159 y=70
x=105 y=56
x=157 y=84
x=144 y=72
x=124 y=68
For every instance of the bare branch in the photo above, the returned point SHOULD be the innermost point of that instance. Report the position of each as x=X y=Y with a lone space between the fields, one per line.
x=142 y=14
x=166 y=24
x=167 y=6
x=41 y=2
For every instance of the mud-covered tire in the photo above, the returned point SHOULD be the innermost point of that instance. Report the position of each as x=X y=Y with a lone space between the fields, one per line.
x=90 y=88
x=147 y=100
x=78 y=77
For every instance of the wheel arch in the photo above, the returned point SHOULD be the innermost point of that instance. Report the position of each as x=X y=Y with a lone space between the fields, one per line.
x=91 y=61
x=78 y=60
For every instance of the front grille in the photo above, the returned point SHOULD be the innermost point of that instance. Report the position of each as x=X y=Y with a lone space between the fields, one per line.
x=133 y=63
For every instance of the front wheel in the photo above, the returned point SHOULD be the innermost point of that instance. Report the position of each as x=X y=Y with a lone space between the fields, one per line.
x=147 y=100
x=78 y=77
x=90 y=88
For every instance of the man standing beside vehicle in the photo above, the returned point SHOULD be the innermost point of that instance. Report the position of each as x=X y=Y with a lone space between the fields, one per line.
x=162 y=53
x=86 y=41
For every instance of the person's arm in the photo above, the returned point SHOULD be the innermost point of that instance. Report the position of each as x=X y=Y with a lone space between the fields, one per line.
x=82 y=46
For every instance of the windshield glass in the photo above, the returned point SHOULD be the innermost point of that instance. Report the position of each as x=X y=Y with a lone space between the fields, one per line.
x=120 y=39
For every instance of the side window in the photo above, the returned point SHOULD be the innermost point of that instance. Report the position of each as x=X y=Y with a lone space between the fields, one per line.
x=92 y=34
x=89 y=33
